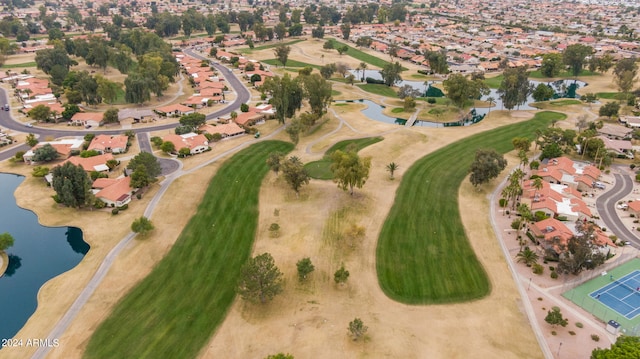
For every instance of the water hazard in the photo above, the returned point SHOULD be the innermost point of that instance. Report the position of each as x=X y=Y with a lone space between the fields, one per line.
x=38 y=254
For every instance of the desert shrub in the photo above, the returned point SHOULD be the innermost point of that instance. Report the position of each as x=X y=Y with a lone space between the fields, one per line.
x=595 y=337
x=554 y=275
x=431 y=100
x=123 y=207
x=503 y=202
x=56 y=198
x=553 y=332
x=115 y=211
x=98 y=204
x=579 y=325
x=571 y=332
x=537 y=268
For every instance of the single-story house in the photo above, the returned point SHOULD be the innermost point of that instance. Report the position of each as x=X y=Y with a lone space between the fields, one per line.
x=64 y=147
x=113 y=192
x=109 y=143
x=174 y=110
x=249 y=118
x=634 y=208
x=93 y=119
x=631 y=121
x=136 y=115
x=619 y=147
x=194 y=142
x=615 y=132
x=90 y=164
x=230 y=129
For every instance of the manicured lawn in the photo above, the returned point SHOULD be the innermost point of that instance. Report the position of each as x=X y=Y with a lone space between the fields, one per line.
x=608 y=95
x=494 y=82
x=566 y=102
x=268 y=46
x=423 y=254
x=321 y=169
x=362 y=56
x=13 y=66
x=378 y=89
x=173 y=312
x=397 y=110
x=290 y=63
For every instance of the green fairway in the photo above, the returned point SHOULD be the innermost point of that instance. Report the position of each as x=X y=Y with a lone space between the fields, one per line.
x=13 y=66
x=379 y=89
x=269 y=46
x=290 y=63
x=173 y=312
x=362 y=56
x=423 y=254
x=321 y=169
x=609 y=95
x=494 y=82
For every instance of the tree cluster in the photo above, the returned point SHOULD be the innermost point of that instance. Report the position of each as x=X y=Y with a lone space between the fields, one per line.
x=72 y=185
x=515 y=87
x=487 y=165
x=581 y=251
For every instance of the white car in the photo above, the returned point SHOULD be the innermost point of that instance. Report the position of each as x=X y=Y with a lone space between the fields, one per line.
x=28 y=124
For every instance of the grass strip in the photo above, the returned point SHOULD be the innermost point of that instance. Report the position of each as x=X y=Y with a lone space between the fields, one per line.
x=174 y=311
x=267 y=47
x=423 y=255
x=290 y=63
x=363 y=56
x=378 y=89
x=322 y=169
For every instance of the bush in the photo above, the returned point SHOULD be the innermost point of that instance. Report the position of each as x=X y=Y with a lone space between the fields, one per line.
x=139 y=195
x=503 y=202
x=595 y=337
x=579 y=325
x=571 y=332
x=632 y=166
x=56 y=198
x=552 y=268
x=98 y=204
x=554 y=275
x=371 y=80
x=431 y=100
x=537 y=268
x=123 y=207
x=115 y=211
x=553 y=332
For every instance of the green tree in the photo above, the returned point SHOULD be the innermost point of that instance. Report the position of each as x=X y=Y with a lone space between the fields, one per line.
x=282 y=54
x=274 y=161
x=609 y=109
x=460 y=89
x=554 y=317
x=151 y=165
x=142 y=225
x=391 y=73
x=286 y=95
x=349 y=170
x=40 y=171
x=624 y=347
x=574 y=57
x=438 y=61
x=140 y=177
x=542 y=92
x=328 y=45
x=31 y=140
x=515 y=87
x=345 y=28
x=357 y=329
x=193 y=120
x=295 y=174
x=318 y=32
x=551 y=65
x=260 y=279
x=487 y=165
x=40 y=113
x=46 y=153
x=305 y=267
x=72 y=185
x=108 y=90
x=521 y=143
x=624 y=74
x=552 y=150
x=6 y=241
x=168 y=147
x=111 y=116
x=580 y=253
x=341 y=275
x=318 y=91
x=328 y=70
x=342 y=49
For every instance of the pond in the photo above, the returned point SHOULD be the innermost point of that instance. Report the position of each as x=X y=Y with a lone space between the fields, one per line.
x=558 y=86
x=375 y=112
x=39 y=253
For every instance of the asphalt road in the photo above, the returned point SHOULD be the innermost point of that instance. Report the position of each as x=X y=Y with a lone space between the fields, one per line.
x=606 y=205
x=6 y=121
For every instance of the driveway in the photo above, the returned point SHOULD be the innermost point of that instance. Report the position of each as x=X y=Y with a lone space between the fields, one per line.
x=606 y=207
x=168 y=165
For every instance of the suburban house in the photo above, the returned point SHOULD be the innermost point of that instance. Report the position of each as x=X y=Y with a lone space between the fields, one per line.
x=174 y=110
x=630 y=121
x=87 y=119
x=114 y=192
x=227 y=130
x=90 y=164
x=634 y=208
x=109 y=143
x=65 y=148
x=249 y=118
x=563 y=170
x=618 y=147
x=555 y=200
x=555 y=234
x=194 y=142
x=615 y=132
x=136 y=115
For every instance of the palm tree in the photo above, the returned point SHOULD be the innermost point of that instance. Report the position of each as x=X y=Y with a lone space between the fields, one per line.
x=362 y=67
x=490 y=100
x=537 y=184
x=527 y=256
x=392 y=167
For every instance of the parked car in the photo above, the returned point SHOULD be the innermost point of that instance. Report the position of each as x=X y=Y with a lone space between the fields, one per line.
x=599 y=185
x=28 y=124
x=6 y=107
x=623 y=206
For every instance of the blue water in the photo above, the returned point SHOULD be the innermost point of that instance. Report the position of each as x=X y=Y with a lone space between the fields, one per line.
x=38 y=254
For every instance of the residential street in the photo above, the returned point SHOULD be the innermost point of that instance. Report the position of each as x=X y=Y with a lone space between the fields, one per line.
x=606 y=207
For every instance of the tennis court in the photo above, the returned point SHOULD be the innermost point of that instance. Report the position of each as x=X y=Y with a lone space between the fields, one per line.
x=612 y=296
x=621 y=295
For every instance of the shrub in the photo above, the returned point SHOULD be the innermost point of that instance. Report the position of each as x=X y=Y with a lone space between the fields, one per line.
x=540 y=299
x=579 y=325
x=371 y=80
x=595 y=337
x=538 y=268
x=115 y=211
x=552 y=268
x=18 y=155
x=123 y=207
x=139 y=195
x=56 y=198
x=431 y=100
x=554 y=275
x=553 y=332
x=571 y=332
x=98 y=204
x=632 y=166
x=503 y=202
